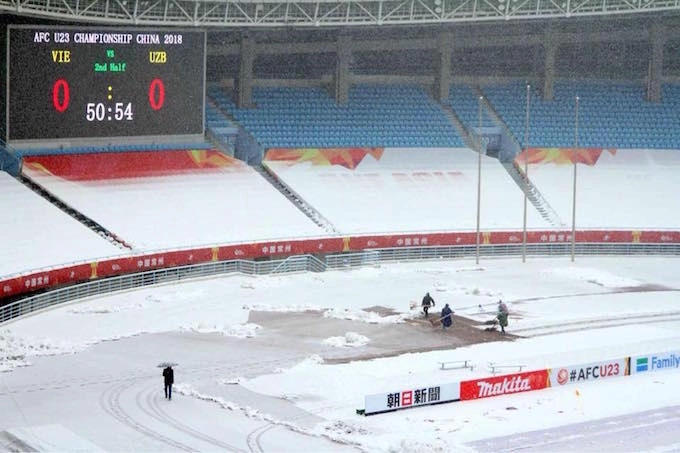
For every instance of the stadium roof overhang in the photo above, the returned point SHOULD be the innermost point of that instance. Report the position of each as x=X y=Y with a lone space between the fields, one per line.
x=322 y=13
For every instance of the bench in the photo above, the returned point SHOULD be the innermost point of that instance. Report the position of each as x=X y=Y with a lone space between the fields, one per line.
x=456 y=365
x=495 y=367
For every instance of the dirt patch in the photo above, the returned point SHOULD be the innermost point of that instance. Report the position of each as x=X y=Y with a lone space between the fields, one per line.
x=471 y=332
x=306 y=331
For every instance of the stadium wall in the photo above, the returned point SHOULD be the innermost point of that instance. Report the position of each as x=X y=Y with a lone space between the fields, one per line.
x=54 y=277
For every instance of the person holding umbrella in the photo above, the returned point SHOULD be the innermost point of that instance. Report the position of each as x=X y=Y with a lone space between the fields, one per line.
x=168 y=379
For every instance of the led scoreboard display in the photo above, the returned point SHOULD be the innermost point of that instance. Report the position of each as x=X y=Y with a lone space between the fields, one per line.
x=68 y=82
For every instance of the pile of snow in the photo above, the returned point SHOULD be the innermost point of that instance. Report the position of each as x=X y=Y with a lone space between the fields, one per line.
x=281 y=308
x=349 y=340
x=477 y=291
x=367 y=316
x=187 y=390
x=116 y=305
x=102 y=310
x=247 y=330
x=440 y=287
x=336 y=430
x=596 y=276
x=231 y=381
x=471 y=269
x=417 y=446
x=15 y=350
x=343 y=432
x=310 y=362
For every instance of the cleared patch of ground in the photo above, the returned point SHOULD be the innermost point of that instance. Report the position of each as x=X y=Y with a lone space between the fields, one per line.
x=307 y=330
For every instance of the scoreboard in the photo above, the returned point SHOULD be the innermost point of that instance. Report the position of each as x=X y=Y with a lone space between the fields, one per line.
x=70 y=82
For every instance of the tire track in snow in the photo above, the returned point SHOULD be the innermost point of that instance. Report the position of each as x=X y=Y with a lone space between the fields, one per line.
x=110 y=402
x=652 y=430
x=152 y=408
x=597 y=323
x=255 y=436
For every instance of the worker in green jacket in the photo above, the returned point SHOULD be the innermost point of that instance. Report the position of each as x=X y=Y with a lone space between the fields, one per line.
x=502 y=316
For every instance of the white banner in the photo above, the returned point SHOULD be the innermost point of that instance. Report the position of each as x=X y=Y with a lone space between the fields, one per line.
x=661 y=361
x=574 y=374
x=404 y=399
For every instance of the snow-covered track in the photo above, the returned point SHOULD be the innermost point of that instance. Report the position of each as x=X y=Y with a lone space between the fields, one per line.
x=597 y=323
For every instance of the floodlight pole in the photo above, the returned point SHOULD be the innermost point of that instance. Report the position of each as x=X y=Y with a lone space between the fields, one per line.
x=526 y=176
x=479 y=173
x=574 y=158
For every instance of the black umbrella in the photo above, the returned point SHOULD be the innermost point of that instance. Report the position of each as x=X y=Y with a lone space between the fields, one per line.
x=166 y=364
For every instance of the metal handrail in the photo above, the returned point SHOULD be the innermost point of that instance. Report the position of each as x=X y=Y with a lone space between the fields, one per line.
x=310 y=263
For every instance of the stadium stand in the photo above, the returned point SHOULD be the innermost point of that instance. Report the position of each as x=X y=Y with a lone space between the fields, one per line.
x=434 y=186
x=214 y=118
x=394 y=116
x=611 y=114
x=220 y=129
x=465 y=102
x=625 y=188
x=147 y=199
x=36 y=234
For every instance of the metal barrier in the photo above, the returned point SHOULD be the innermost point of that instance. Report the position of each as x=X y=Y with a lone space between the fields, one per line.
x=375 y=257
x=156 y=277
x=299 y=263
x=310 y=263
x=496 y=368
x=456 y=365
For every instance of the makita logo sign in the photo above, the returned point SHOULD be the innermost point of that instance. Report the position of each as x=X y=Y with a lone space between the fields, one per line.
x=504 y=385
x=512 y=385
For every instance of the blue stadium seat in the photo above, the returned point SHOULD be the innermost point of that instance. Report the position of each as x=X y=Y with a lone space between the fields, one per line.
x=373 y=116
x=611 y=114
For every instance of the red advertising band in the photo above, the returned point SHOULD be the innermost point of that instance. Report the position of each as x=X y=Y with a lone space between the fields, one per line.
x=504 y=385
x=52 y=278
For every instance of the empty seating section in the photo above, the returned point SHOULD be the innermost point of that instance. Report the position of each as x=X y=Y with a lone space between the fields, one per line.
x=172 y=199
x=465 y=102
x=388 y=116
x=36 y=234
x=214 y=118
x=611 y=115
x=217 y=100
x=220 y=128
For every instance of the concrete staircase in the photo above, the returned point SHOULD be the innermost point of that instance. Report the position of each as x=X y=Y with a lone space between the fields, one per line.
x=533 y=195
x=491 y=111
x=88 y=222
x=468 y=138
x=301 y=204
x=517 y=174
